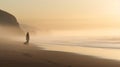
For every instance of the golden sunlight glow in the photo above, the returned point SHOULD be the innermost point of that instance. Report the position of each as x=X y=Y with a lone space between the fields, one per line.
x=79 y=19
x=70 y=14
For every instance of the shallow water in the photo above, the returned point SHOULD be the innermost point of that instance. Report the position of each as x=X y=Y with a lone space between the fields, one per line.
x=102 y=48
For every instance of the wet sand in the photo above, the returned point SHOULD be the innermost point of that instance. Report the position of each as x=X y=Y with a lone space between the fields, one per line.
x=16 y=54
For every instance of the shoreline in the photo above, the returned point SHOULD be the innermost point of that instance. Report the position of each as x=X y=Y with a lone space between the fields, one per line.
x=110 y=54
x=16 y=54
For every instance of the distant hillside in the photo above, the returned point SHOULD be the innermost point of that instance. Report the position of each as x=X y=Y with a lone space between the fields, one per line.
x=8 y=20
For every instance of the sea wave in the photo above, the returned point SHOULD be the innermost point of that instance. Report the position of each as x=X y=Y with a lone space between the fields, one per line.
x=93 y=43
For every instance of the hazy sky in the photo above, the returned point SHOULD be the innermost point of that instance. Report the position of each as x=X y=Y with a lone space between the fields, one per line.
x=84 y=11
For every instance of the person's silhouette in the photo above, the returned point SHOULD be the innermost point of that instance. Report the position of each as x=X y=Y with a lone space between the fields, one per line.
x=27 y=38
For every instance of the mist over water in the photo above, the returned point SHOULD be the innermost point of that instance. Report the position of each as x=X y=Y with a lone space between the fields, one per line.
x=108 y=38
x=102 y=43
x=98 y=43
x=93 y=37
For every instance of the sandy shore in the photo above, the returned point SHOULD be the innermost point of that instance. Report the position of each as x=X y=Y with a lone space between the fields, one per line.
x=16 y=54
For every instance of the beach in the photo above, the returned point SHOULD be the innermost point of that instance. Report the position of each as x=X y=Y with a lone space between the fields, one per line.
x=16 y=54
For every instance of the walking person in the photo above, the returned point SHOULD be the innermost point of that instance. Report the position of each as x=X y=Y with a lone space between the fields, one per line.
x=27 y=38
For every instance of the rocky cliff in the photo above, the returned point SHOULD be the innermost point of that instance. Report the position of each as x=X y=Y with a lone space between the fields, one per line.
x=8 y=20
